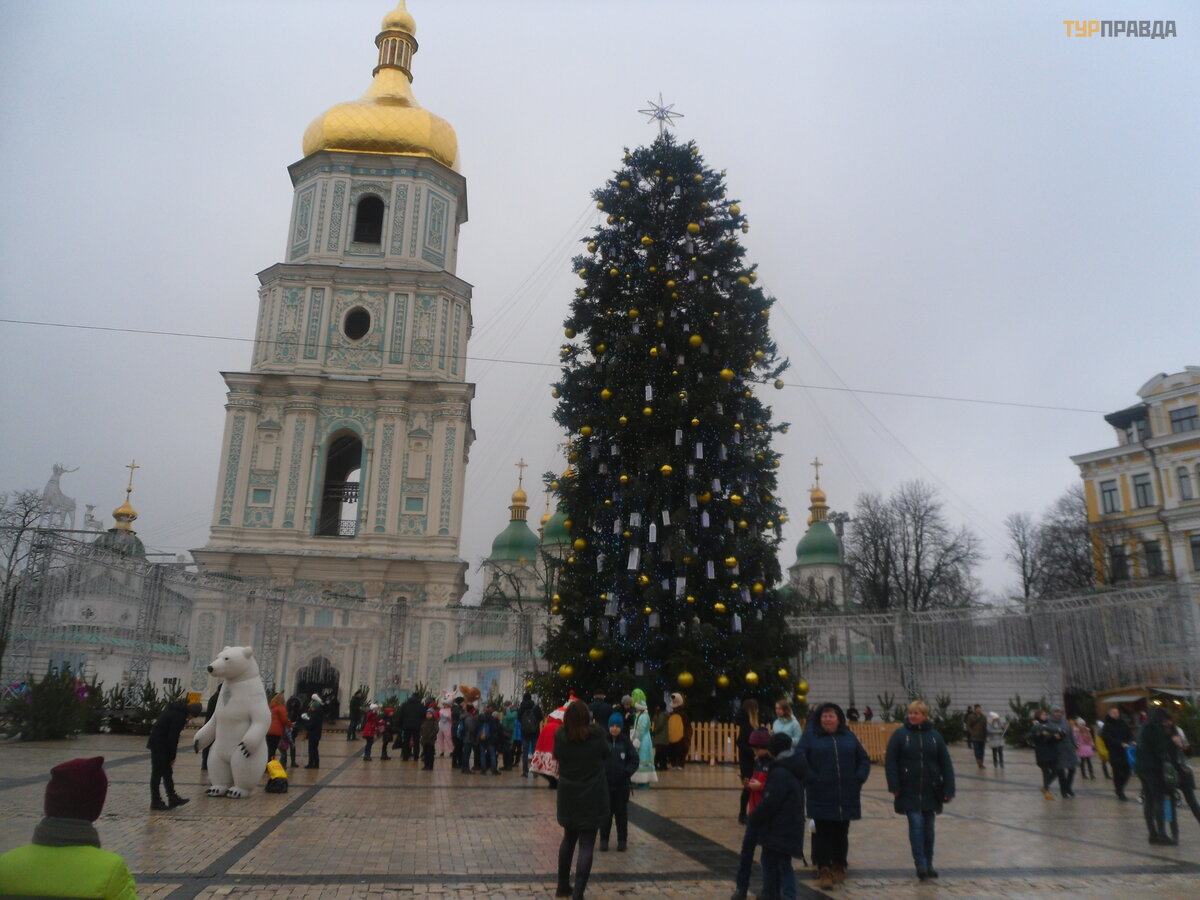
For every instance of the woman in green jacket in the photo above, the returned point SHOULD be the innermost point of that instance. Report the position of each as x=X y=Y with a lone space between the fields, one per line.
x=65 y=859
x=580 y=748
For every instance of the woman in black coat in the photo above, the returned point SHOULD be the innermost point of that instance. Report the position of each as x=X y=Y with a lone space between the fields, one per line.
x=920 y=777
x=580 y=748
x=1117 y=737
x=746 y=721
x=838 y=766
x=1045 y=740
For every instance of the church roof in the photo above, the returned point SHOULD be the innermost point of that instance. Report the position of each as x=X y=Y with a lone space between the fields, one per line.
x=820 y=545
x=516 y=543
x=387 y=118
x=555 y=531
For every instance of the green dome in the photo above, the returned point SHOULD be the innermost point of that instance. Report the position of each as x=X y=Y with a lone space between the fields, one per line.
x=555 y=531
x=516 y=543
x=124 y=543
x=820 y=545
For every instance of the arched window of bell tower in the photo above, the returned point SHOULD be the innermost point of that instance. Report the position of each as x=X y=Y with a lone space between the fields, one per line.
x=340 y=486
x=368 y=220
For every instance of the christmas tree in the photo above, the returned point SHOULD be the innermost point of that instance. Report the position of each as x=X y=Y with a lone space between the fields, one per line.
x=670 y=578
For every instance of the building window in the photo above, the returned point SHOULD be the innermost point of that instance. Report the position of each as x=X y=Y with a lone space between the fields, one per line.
x=1154 y=558
x=1143 y=493
x=323 y=618
x=414 y=504
x=260 y=496
x=1136 y=431
x=356 y=324
x=1185 y=419
x=1109 y=499
x=1185 y=483
x=1196 y=552
x=368 y=220
x=1118 y=564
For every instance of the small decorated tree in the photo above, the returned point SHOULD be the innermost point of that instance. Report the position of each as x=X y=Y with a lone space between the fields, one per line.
x=669 y=581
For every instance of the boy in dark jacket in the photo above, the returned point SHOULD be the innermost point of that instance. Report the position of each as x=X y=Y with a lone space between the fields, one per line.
x=779 y=818
x=429 y=733
x=622 y=762
x=758 y=740
x=162 y=744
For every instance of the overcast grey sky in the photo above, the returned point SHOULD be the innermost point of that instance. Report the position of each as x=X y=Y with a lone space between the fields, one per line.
x=947 y=198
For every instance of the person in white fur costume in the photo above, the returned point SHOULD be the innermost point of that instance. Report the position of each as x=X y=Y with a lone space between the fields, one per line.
x=238 y=728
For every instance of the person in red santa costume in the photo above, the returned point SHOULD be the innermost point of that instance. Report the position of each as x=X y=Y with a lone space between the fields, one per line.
x=543 y=761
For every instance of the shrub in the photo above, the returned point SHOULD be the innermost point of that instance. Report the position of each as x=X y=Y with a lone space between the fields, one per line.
x=1021 y=720
x=948 y=724
x=49 y=709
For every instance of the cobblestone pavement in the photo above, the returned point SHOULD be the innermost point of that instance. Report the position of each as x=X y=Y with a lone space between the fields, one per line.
x=378 y=830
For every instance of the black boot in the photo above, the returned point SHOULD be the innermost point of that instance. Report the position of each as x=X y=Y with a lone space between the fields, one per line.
x=564 y=889
x=156 y=805
x=175 y=800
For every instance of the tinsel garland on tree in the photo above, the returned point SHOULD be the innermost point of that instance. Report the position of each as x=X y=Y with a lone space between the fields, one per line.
x=669 y=579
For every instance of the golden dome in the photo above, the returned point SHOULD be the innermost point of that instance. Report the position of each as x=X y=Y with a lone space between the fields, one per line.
x=818 y=495
x=400 y=19
x=519 y=497
x=387 y=118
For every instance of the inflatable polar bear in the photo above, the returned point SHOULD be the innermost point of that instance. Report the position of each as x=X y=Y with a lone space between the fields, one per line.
x=238 y=728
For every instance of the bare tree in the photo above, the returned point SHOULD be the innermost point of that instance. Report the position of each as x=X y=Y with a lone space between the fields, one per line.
x=1060 y=554
x=1065 y=545
x=1025 y=551
x=21 y=513
x=906 y=556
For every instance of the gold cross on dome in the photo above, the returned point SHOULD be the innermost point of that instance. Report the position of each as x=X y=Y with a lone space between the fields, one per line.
x=816 y=464
x=133 y=465
x=521 y=467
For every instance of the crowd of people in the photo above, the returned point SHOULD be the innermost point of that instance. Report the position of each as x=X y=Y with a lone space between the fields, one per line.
x=797 y=777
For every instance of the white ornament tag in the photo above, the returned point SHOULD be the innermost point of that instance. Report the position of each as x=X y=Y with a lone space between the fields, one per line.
x=710 y=570
x=634 y=555
x=653 y=533
x=699 y=450
x=666 y=517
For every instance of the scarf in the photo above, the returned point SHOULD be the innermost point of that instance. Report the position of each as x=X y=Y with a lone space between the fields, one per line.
x=56 y=832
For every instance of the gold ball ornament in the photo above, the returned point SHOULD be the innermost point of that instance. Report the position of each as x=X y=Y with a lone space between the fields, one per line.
x=779 y=384
x=698 y=177
x=751 y=678
x=801 y=686
x=666 y=470
x=624 y=420
x=704 y=496
x=690 y=599
x=695 y=422
x=647 y=411
x=553 y=392
x=719 y=607
x=647 y=240
x=695 y=340
x=624 y=479
x=730 y=562
x=586 y=430
x=579 y=544
x=801 y=698
x=735 y=499
x=685 y=680
x=654 y=351
x=595 y=654
x=529 y=685
x=633 y=314
x=554 y=610
x=727 y=374
x=569 y=332
x=722 y=681
x=593 y=246
x=570 y=560
x=566 y=670
x=758 y=354
x=568 y=524
x=643 y=579
x=782 y=673
x=606 y=394
x=743 y=524
x=626 y=184
x=611 y=220
x=600 y=348
x=757 y=588
x=613 y=271
x=735 y=209
x=647 y=610
x=599 y=204
x=693 y=228
x=744 y=280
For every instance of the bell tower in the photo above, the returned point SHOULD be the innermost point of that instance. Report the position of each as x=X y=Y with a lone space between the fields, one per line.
x=346 y=442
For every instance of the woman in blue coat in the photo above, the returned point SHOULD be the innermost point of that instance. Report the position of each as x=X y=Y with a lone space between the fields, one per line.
x=920 y=777
x=837 y=768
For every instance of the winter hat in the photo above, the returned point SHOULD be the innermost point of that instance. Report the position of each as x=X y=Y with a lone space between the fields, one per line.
x=77 y=789
x=429 y=712
x=760 y=737
x=374 y=706
x=993 y=715
x=779 y=743
x=316 y=700
x=1056 y=708
x=1079 y=721
x=616 y=719
x=626 y=700
x=640 y=705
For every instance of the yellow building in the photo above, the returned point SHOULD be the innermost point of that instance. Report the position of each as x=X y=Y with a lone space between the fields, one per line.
x=1143 y=495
